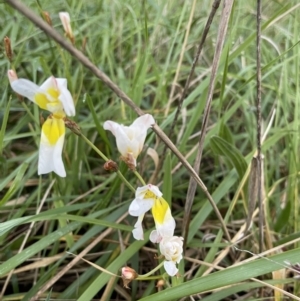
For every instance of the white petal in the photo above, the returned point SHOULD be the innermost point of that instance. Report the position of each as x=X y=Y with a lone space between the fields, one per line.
x=131 y=145
x=59 y=167
x=140 y=126
x=144 y=122
x=50 y=157
x=166 y=229
x=47 y=84
x=155 y=237
x=138 y=232
x=171 y=248
x=111 y=126
x=134 y=208
x=62 y=83
x=140 y=206
x=45 y=164
x=25 y=88
x=124 y=145
x=65 y=97
x=123 y=142
x=170 y=268
x=155 y=190
x=140 y=191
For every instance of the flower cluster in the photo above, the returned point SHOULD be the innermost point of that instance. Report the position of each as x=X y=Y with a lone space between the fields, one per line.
x=149 y=197
x=130 y=141
x=53 y=96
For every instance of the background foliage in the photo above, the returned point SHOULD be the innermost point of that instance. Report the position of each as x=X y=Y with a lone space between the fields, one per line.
x=141 y=46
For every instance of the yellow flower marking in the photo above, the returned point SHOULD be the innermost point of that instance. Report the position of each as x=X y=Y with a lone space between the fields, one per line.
x=53 y=92
x=59 y=114
x=53 y=128
x=149 y=195
x=160 y=209
x=43 y=102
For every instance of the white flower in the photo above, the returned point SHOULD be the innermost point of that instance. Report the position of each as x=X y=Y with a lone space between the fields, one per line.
x=51 y=145
x=53 y=95
x=148 y=197
x=65 y=20
x=171 y=248
x=130 y=139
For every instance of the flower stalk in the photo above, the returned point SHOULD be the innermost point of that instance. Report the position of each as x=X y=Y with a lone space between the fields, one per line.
x=97 y=150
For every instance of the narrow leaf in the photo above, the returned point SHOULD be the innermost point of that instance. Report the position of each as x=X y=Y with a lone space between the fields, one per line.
x=223 y=148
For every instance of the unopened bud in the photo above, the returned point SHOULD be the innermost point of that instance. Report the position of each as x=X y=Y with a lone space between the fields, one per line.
x=65 y=20
x=110 y=165
x=128 y=274
x=160 y=283
x=7 y=46
x=12 y=76
x=47 y=17
x=73 y=126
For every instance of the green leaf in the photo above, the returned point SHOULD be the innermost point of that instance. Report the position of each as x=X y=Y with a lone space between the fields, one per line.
x=114 y=267
x=226 y=277
x=223 y=148
x=4 y=122
x=99 y=127
x=225 y=133
x=15 y=184
x=40 y=245
x=246 y=286
x=283 y=217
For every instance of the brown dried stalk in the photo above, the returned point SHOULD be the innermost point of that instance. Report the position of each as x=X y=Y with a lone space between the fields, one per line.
x=227 y=6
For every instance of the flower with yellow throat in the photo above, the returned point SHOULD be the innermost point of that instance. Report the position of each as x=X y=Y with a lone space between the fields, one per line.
x=146 y=198
x=53 y=96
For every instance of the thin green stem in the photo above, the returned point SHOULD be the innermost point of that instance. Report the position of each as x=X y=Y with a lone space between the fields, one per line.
x=150 y=278
x=97 y=150
x=141 y=277
x=139 y=177
x=125 y=181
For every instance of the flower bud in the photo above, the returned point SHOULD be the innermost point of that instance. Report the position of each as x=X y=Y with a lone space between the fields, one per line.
x=65 y=20
x=160 y=283
x=110 y=165
x=12 y=76
x=47 y=18
x=7 y=46
x=128 y=274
